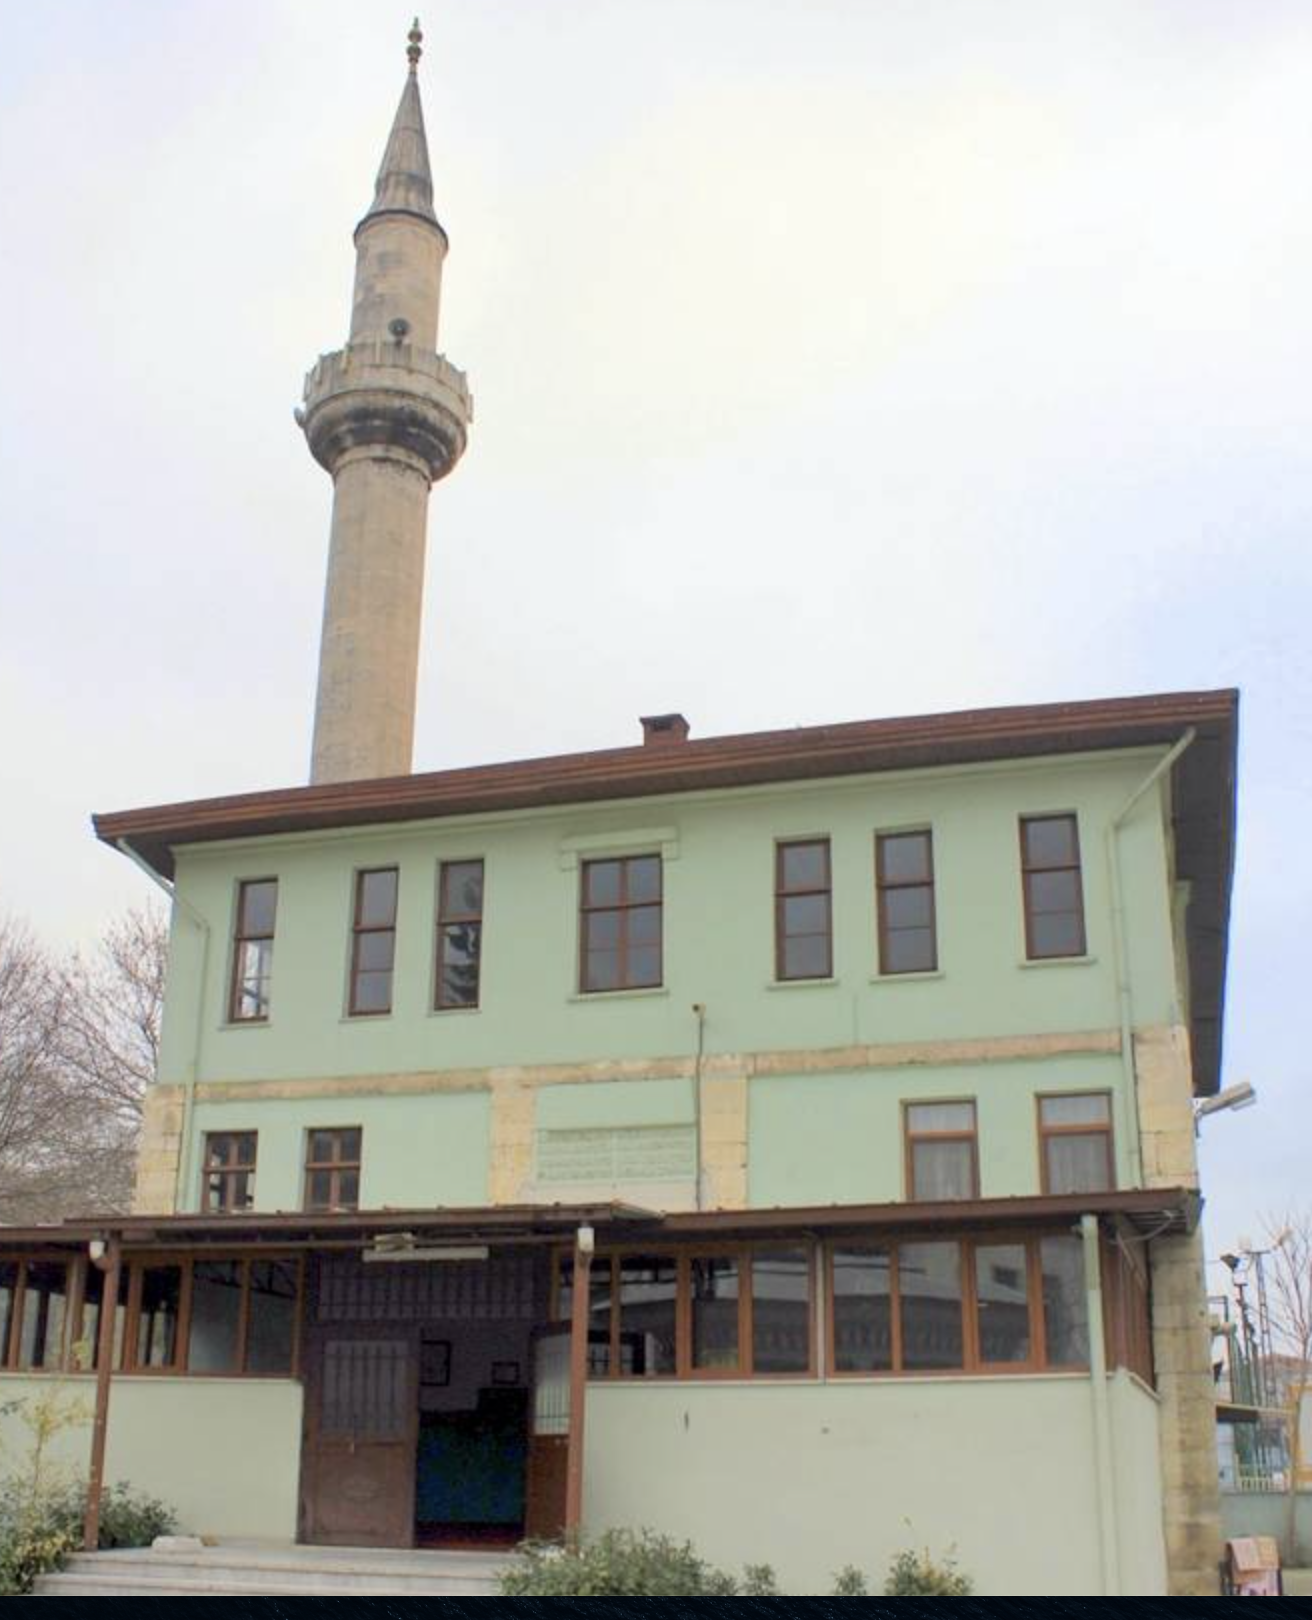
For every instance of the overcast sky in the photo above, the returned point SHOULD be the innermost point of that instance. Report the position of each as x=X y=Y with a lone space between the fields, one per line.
x=832 y=359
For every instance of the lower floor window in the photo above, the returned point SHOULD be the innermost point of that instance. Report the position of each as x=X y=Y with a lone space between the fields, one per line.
x=957 y=1304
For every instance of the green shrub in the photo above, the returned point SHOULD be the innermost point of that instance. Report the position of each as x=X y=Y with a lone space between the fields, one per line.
x=29 y=1549
x=850 y=1582
x=917 y=1575
x=128 y=1518
x=627 y=1563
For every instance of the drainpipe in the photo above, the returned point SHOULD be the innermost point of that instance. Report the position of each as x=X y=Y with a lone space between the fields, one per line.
x=112 y=1265
x=699 y=1010
x=1120 y=953
x=584 y=1244
x=1102 y=1424
x=189 y=1085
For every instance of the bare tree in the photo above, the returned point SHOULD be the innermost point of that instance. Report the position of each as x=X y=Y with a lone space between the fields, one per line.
x=111 y=1019
x=1291 y=1328
x=79 y=1042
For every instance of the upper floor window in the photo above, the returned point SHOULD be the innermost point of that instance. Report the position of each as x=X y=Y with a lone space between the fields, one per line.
x=332 y=1168
x=1075 y=1143
x=459 y=933
x=803 y=910
x=373 y=941
x=942 y=1151
x=904 y=883
x=620 y=924
x=229 y=1184
x=1050 y=875
x=252 y=951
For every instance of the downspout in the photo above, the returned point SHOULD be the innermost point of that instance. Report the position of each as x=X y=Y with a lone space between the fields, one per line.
x=699 y=1008
x=189 y=1083
x=1120 y=953
x=1104 y=1483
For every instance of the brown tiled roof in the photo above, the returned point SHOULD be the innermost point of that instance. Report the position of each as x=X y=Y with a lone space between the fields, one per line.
x=1204 y=783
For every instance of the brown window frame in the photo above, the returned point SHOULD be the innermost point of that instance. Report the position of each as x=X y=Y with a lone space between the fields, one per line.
x=359 y=931
x=185 y=1261
x=1027 y=872
x=11 y=1344
x=451 y=919
x=227 y=1172
x=910 y=1138
x=883 y=885
x=333 y=1167
x=684 y=1371
x=1047 y=1132
x=240 y=939
x=782 y=894
x=622 y=906
x=972 y=1363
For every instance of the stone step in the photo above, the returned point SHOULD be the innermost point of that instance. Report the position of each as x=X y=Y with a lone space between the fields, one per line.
x=236 y=1571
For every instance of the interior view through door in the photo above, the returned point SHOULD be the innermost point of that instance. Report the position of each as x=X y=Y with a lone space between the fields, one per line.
x=417 y=1381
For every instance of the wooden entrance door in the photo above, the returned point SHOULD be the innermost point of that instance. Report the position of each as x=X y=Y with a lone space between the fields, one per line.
x=362 y=1417
x=548 y=1435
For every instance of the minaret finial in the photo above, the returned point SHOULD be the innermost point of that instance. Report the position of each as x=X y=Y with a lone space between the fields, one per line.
x=414 y=50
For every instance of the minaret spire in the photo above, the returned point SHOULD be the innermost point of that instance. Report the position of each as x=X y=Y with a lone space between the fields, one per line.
x=387 y=416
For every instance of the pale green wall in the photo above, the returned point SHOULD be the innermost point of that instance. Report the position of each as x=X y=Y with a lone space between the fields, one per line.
x=416 y=1152
x=719 y=852
x=1138 y=1491
x=837 y=1138
x=810 y=1477
x=224 y=1453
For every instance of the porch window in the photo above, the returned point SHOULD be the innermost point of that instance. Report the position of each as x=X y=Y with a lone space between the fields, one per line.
x=904 y=889
x=782 y=1322
x=861 y=1308
x=1075 y=1142
x=942 y=1151
x=93 y=1302
x=1002 y=1304
x=929 y=1297
x=715 y=1292
x=229 y=1184
x=1065 y=1303
x=332 y=1168
x=44 y=1307
x=243 y=1316
x=157 y=1311
x=620 y=925
x=373 y=942
x=215 y=1336
x=252 y=951
x=273 y=1292
x=459 y=934
x=1052 y=887
x=8 y=1306
x=803 y=910
x=647 y=1310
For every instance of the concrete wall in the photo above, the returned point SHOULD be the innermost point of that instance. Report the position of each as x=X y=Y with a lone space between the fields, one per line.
x=810 y=1477
x=1266 y=1513
x=224 y=1453
x=1136 y=1469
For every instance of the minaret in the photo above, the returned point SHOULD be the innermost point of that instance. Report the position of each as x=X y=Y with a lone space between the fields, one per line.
x=387 y=416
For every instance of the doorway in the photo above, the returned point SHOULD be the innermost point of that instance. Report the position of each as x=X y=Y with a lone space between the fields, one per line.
x=417 y=1378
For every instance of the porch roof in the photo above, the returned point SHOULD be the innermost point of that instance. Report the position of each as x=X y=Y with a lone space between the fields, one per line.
x=1155 y=1212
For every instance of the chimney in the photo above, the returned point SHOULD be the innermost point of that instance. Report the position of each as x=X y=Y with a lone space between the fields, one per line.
x=663 y=730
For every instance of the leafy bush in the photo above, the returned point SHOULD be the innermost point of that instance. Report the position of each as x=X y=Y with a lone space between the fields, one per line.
x=850 y=1582
x=128 y=1518
x=29 y=1549
x=627 y=1563
x=917 y=1575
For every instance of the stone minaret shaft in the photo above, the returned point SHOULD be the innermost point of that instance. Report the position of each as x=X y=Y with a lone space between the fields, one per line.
x=387 y=416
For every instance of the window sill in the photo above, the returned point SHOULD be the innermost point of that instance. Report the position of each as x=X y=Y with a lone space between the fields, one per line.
x=803 y=984
x=244 y=1023
x=907 y=978
x=594 y=996
x=364 y=1018
x=1056 y=961
x=452 y=1012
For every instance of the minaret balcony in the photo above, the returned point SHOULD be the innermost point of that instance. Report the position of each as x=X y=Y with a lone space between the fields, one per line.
x=386 y=394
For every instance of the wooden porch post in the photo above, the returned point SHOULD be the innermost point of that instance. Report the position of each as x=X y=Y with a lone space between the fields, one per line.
x=104 y=1368
x=578 y=1381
